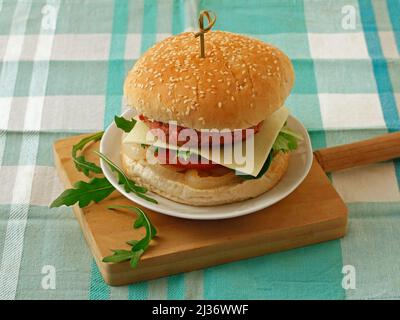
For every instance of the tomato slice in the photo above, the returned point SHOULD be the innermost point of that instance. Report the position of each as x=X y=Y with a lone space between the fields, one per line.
x=244 y=133
x=193 y=162
x=196 y=166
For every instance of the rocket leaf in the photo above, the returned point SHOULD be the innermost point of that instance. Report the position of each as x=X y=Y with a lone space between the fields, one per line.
x=138 y=246
x=129 y=185
x=125 y=125
x=84 y=193
x=80 y=162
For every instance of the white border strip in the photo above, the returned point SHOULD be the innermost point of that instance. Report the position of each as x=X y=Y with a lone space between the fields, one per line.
x=14 y=239
x=194 y=285
x=8 y=79
x=194 y=281
x=192 y=11
x=9 y=71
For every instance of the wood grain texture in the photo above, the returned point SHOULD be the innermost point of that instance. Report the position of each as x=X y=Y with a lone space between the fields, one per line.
x=381 y=148
x=313 y=213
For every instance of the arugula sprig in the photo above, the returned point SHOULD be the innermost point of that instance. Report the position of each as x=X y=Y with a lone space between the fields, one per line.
x=84 y=193
x=129 y=185
x=137 y=246
x=80 y=161
x=98 y=189
x=125 y=125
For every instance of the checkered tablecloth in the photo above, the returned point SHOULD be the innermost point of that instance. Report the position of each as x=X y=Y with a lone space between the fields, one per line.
x=62 y=66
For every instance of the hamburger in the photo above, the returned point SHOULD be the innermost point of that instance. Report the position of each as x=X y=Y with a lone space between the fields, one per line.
x=239 y=87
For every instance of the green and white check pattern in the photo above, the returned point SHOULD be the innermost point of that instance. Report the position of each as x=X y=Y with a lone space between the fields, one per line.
x=62 y=65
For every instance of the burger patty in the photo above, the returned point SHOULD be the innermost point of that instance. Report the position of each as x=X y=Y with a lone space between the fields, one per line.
x=164 y=127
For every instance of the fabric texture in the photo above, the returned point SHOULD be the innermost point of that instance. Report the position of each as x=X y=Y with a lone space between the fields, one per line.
x=62 y=66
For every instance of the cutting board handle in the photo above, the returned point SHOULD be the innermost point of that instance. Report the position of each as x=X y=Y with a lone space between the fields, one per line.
x=381 y=148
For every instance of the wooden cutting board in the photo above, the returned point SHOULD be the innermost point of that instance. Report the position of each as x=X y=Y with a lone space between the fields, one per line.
x=313 y=213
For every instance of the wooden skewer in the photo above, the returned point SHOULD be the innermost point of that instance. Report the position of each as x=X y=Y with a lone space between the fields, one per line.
x=381 y=148
x=211 y=17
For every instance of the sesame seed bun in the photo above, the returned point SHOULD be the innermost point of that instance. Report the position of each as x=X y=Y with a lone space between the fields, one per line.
x=190 y=188
x=239 y=83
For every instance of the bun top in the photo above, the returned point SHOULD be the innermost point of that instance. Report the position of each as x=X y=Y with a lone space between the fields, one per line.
x=239 y=83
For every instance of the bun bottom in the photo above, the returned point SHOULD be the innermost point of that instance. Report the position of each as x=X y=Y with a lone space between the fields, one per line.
x=190 y=188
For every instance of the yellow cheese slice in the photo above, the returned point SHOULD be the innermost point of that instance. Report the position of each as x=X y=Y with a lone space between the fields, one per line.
x=247 y=157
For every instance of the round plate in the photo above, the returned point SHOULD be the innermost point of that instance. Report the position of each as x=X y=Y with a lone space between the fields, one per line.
x=299 y=166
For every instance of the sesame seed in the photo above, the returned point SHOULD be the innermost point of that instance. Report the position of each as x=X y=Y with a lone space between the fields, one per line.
x=219 y=104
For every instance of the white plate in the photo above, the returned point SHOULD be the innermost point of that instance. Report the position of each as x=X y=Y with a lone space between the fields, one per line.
x=299 y=166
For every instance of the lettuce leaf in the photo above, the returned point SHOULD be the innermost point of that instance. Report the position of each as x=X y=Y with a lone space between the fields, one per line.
x=286 y=141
